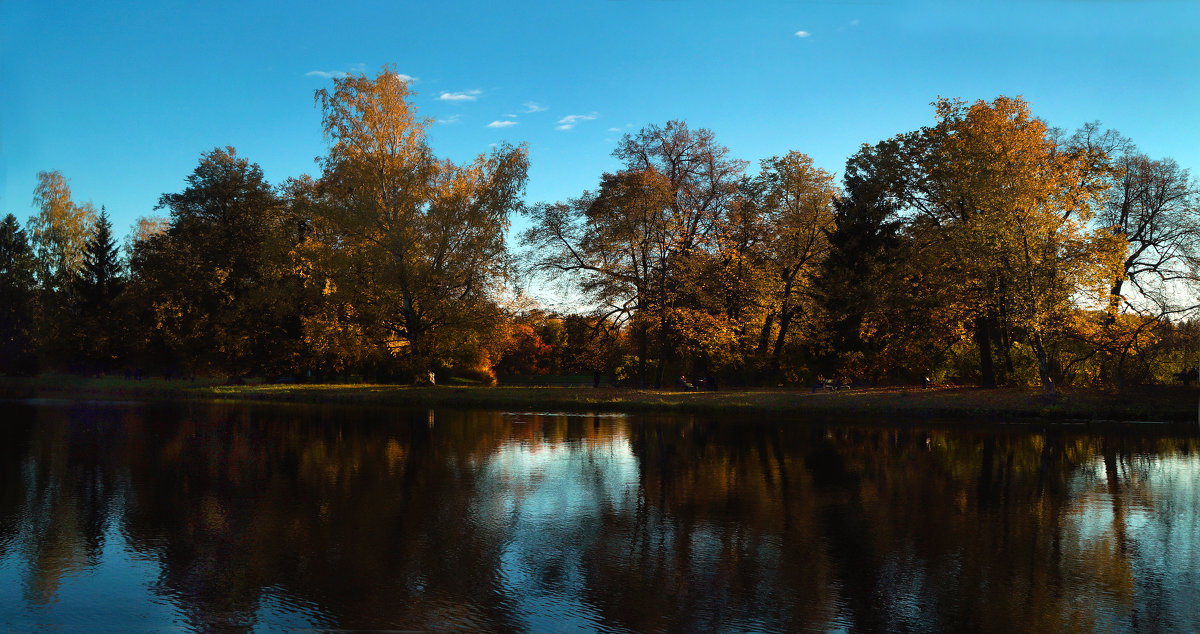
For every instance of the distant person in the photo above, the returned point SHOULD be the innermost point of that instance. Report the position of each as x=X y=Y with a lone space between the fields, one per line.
x=596 y=379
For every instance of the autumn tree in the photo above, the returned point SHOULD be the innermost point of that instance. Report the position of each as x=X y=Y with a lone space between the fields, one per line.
x=1152 y=205
x=726 y=291
x=642 y=245
x=413 y=244
x=58 y=234
x=997 y=237
x=797 y=212
x=526 y=352
x=614 y=246
x=59 y=231
x=702 y=181
x=1013 y=206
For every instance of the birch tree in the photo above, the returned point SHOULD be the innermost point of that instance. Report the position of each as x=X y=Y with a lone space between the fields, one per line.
x=414 y=243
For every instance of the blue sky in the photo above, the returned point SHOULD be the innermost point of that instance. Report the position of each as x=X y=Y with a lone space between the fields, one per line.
x=122 y=97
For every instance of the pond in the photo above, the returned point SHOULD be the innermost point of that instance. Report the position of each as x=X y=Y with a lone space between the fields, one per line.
x=206 y=516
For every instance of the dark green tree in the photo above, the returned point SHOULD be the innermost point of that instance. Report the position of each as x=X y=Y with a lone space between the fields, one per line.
x=214 y=289
x=98 y=286
x=863 y=241
x=17 y=296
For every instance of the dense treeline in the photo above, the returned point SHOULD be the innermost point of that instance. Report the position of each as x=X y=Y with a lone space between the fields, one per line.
x=985 y=248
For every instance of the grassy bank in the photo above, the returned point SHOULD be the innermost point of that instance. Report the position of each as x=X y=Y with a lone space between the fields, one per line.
x=1140 y=404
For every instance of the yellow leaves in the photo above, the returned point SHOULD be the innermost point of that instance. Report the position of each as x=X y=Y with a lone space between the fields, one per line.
x=712 y=335
x=60 y=230
x=1017 y=206
x=414 y=243
x=338 y=343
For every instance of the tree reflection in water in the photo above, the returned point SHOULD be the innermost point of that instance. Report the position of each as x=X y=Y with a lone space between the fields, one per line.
x=211 y=516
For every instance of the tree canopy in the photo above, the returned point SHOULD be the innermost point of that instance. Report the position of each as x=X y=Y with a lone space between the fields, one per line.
x=412 y=247
x=984 y=247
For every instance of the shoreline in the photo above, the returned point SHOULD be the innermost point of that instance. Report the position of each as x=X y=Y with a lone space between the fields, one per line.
x=1147 y=404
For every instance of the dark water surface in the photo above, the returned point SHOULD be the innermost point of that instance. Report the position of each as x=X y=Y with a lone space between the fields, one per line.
x=125 y=516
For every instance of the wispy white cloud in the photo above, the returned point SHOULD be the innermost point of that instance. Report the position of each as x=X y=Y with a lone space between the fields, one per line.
x=337 y=74
x=454 y=118
x=509 y=116
x=803 y=34
x=466 y=95
x=327 y=74
x=568 y=122
x=618 y=130
x=531 y=107
x=501 y=124
x=854 y=22
x=354 y=69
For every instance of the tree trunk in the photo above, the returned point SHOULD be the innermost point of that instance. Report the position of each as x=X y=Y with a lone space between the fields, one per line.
x=764 y=339
x=1114 y=299
x=983 y=339
x=1006 y=344
x=785 y=320
x=1043 y=365
x=664 y=349
x=662 y=366
x=643 y=344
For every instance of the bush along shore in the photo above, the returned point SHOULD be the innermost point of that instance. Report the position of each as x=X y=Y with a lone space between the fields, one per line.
x=1143 y=404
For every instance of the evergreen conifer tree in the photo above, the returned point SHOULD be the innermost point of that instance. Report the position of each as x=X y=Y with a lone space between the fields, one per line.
x=16 y=299
x=97 y=286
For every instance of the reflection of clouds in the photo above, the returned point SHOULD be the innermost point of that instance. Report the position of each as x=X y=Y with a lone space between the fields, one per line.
x=297 y=518
x=1141 y=540
x=550 y=497
x=98 y=593
x=562 y=481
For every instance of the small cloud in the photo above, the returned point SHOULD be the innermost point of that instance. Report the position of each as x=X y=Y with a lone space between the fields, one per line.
x=466 y=95
x=501 y=124
x=854 y=22
x=451 y=119
x=803 y=34
x=614 y=129
x=338 y=74
x=509 y=116
x=408 y=79
x=531 y=107
x=568 y=122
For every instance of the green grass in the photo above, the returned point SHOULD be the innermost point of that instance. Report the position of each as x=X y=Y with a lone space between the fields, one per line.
x=1140 y=404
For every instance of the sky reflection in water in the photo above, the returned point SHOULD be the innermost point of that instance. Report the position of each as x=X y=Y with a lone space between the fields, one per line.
x=285 y=517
